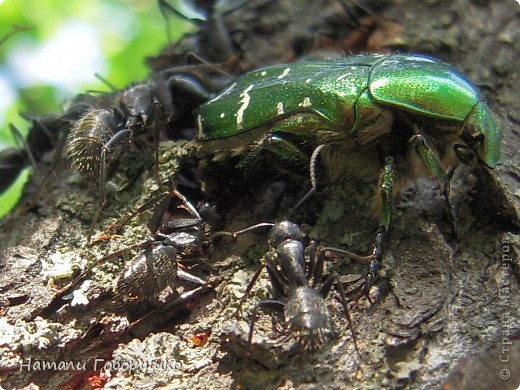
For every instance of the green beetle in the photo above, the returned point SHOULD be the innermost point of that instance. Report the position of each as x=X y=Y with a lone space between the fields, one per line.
x=368 y=115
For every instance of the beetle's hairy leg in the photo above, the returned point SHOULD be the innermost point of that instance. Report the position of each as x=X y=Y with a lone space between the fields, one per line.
x=283 y=150
x=312 y=174
x=432 y=162
x=283 y=138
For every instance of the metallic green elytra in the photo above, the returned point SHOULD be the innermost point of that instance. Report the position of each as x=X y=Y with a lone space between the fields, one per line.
x=353 y=100
x=392 y=117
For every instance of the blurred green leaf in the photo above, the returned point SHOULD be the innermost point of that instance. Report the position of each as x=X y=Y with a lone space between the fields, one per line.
x=126 y=32
x=9 y=198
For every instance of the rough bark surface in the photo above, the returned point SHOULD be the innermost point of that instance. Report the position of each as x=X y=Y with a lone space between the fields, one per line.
x=446 y=311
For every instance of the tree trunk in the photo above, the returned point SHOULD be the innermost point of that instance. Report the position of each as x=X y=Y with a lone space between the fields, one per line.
x=445 y=311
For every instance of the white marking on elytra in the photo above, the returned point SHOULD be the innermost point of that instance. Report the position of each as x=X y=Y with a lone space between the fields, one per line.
x=245 y=103
x=263 y=73
x=222 y=115
x=308 y=81
x=279 y=108
x=306 y=103
x=344 y=76
x=380 y=83
x=285 y=73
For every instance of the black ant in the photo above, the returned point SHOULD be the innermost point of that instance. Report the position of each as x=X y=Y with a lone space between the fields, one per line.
x=298 y=286
x=158 y=265
x=156 y=108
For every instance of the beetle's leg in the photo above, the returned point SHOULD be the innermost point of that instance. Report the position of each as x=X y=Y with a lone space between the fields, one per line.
x=294 y=126
x=431 y=161
x=385 y=188
x=284 y=150
x=312 y=175
x=283 y=142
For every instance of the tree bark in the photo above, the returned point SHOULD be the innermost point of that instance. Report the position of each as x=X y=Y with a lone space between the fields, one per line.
x=446 y=313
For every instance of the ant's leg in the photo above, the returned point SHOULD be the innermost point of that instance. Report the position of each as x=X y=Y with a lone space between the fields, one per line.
x=66 y=289
x=324 y=290
x=269 y=305
x=181 y=302
x=248 y=289
x=119 y=137
x=186 y=276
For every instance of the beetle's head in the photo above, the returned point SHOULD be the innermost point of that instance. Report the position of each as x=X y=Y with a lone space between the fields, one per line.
x=483 y=135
